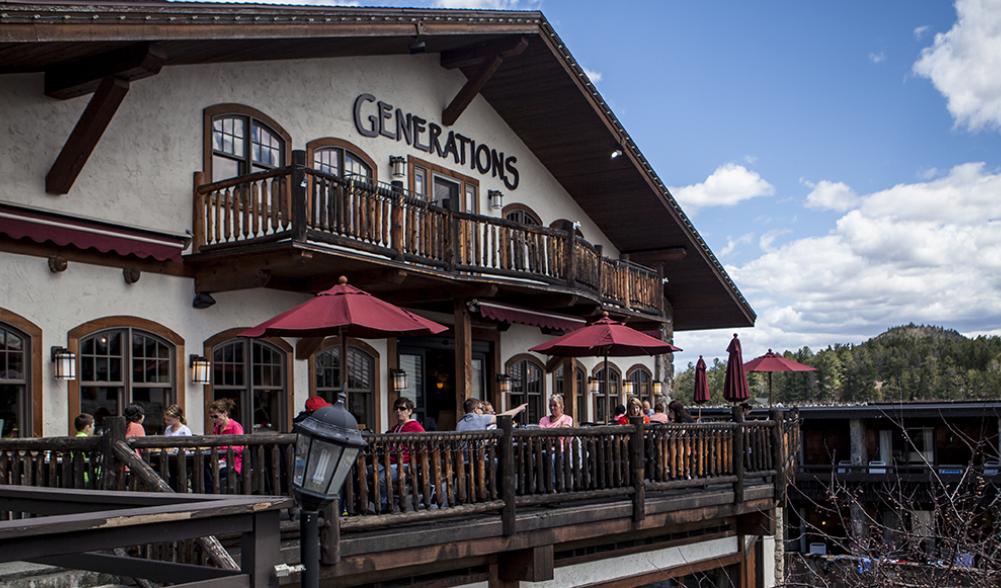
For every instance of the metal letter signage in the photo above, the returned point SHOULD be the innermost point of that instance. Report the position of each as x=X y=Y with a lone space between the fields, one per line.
x=374 y=118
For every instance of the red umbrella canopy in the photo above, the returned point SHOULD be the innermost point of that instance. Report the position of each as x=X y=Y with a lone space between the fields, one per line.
x=735 y=383
x=701 y=383
x=772 y=362
x=604 y=337
x=345 y=310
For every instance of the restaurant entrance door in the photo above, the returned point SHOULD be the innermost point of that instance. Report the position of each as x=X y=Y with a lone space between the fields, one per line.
x=431 y=379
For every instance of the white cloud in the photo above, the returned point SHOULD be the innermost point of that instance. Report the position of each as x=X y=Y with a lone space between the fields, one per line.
x=919 y=32
x=593 y=74
x=750 y=159
x=831 y=196
x=927 y=252
x=768 y=239
x=728 y=185
x=732 y=244
x=877 y=57
x=928 y=173
x=963 y=63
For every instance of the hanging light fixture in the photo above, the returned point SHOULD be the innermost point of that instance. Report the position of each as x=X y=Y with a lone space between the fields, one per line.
x=627 y=387
x=399 y=380
x=496 y=199
x=593 y=385
x=63 y=363
x=200 y=369
x=504 y=383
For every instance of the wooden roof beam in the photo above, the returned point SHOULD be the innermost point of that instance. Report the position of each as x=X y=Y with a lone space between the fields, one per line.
x=83 y=77
x=661 y=254
x=490 y=58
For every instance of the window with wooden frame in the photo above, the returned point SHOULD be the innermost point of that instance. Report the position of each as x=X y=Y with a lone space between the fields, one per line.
x=363 y=381
x=252 y=372
x=442 y=186
x=241 y=140
x=521 y=214
x=561 y=387
x=606 y=399
x=642 y=380
x=20 y=376
x=528 y=385
x=341 y=158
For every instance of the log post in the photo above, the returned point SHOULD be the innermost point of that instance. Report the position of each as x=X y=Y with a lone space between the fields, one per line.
x=299 y=195
x=570 y=259
x=570 y=390
x=452 y=253
x=636 y=454
x=114 y=433
x=738 y=454
x=778 y=454
x=506 y=424
x=463 y=332
x=597 y=275
x=396 y=228
x=198 y=213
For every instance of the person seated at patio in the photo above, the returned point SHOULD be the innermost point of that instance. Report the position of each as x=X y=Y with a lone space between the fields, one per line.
x=222 y=424
x=634 y=408
x=313 y=404
x=745 y=409
x=476 y=420
x=83 y=424
x=175 y=423
x=659 y=413
x=618 y=413
x=135 y=415
x=556 y=416
x=679 y=414
x=647 y=408
x=398 y=453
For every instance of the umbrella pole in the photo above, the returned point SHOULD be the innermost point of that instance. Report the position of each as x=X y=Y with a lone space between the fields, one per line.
x=608 y=389
x=344 y=367
x=769 y=389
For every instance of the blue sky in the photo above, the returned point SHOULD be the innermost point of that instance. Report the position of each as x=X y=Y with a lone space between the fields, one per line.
x=843 y=159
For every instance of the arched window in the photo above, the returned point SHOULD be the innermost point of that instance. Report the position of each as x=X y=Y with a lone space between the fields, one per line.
x=120 y=366
x=242 y=140
x=20 y=376
x=522 y=214
x=642 y=381
x=253 y=373
x=528 y=385
x=560 y=387
x=606 y=399
x=363 y=387
x=342 y=159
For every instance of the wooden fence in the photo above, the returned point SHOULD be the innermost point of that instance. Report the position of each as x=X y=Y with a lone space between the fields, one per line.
x=306 y=204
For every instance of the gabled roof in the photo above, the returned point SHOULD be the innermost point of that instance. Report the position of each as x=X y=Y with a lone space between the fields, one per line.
x=543 y=94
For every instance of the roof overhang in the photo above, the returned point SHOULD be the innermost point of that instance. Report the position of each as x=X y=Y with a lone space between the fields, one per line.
x=542 y=93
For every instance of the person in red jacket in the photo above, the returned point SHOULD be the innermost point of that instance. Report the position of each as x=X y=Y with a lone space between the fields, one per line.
x=634 y=408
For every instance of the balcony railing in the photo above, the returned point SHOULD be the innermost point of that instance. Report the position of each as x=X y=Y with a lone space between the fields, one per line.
x=303 y=204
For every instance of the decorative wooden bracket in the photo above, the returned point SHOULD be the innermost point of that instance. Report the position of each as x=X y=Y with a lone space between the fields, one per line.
x=57 y=264
x=131 y=275
x=108 y=77
x=489 y=57
x=228 y=279
x=661 y=254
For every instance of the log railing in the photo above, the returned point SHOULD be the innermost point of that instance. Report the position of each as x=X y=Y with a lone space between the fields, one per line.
x=296 y=202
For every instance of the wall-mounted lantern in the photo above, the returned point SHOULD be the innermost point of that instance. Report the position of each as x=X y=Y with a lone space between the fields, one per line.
x=504 y=383
x=658 y=388
x=627 y=387
x=398 y=169
x=63 y=363
x=399 y=378
x=200 y=369
x=593 y=385
x=495 y=198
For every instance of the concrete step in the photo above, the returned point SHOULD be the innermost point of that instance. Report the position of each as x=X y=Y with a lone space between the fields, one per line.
x=29 y=575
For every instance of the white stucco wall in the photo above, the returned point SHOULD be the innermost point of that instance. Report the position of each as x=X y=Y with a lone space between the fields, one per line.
x=141 y=171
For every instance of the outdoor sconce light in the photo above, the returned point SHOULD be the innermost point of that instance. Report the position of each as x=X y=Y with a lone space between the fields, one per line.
x=399 y=380
x=325 y=450
x=616 y=153
x=658 y=388
x=63 y=363
x=593 y=385
x=627 y=387
x=496 y=199
x=504 y=383
x=398 y=168
x=199 y=369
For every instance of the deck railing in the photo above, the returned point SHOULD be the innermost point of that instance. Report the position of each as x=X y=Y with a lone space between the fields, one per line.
x=296 y=202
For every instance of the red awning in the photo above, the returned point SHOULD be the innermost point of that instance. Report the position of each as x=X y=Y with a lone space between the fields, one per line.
x=43 y=226
x=524 y=316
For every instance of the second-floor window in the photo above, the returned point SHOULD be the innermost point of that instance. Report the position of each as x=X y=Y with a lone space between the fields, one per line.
x=444 y=187
x=243 y=141
x=342 y=159
x=521 y=214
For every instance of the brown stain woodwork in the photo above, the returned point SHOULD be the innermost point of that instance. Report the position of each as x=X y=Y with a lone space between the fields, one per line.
x=217 y=110
x=334 y=342
x=481 y=52
x=470 y=90
x=36 y=358
x=85 y=135
x=122 y=322
x=462 y=331
x=129 y=64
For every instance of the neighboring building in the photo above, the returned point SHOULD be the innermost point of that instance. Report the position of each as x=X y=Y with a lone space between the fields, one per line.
x=875 y=449
x=177 y=172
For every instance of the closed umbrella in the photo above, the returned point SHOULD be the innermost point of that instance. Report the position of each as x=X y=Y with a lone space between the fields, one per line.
x=345 y=311
x=735 y=383
x=773 y=362
x=701 y=385
x=604 y=338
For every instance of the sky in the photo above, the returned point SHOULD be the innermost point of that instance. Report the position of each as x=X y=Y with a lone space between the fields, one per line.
x=841 y=158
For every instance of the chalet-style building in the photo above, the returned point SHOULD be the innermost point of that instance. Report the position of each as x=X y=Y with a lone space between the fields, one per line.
x=174 y=173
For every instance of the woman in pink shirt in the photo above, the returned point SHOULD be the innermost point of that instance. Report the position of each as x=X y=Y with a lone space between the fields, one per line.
x=556 y=416
x=219 y=411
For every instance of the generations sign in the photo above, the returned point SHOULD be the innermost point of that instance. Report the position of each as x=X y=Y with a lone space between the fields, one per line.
x=375 y=117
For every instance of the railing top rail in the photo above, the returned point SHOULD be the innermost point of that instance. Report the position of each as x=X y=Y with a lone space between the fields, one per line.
x=254 y=177
x=575 y=431
x=49 y=443
x=435 y=436
x=152 y=441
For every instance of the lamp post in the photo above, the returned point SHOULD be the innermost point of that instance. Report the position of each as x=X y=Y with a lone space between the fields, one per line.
x=325 y=450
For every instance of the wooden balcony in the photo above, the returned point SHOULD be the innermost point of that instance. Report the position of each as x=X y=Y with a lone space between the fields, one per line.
x=387 y=227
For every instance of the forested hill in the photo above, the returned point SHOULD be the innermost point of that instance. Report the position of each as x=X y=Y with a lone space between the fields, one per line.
x=911 y=362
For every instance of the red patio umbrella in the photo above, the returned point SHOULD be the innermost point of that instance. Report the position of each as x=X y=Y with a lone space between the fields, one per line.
x=604 y=338
x=773 y=362
x=735 y=382
x=701 y=385
x=345 y=311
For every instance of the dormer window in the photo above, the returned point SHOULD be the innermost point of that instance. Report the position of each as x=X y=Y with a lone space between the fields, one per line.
x=243 y=141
